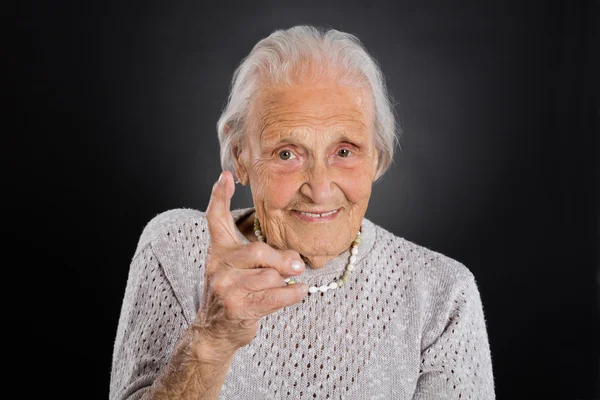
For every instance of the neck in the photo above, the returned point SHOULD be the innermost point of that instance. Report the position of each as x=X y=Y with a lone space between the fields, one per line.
x=246 y=226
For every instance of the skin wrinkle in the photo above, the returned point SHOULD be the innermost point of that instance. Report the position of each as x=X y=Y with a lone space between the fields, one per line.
x=299 y=129
x=313 y=122
x=272 y=120
x=270 y=112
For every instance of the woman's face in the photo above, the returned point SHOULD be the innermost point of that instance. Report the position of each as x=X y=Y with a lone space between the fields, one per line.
x=310 y=149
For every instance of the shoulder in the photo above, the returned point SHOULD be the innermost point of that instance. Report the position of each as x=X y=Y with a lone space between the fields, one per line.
x=436 y=286
x=439 y=287
x=178 y=239
x=169 y=222
x=429 y=264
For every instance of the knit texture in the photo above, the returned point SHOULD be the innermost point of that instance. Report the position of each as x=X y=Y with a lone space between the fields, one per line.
x=409 y=323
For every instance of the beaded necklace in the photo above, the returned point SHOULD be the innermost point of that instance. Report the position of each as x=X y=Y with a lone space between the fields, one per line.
x=338 y=283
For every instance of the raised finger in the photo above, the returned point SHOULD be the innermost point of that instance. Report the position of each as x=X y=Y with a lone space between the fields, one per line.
x=218 y=215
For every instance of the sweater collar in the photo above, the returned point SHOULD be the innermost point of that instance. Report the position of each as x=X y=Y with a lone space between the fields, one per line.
x=334 y=267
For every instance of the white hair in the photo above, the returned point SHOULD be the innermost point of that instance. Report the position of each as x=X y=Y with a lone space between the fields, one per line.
x=288 y=55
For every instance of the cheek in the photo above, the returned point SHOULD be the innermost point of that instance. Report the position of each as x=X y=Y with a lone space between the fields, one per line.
x=356 y=183
x=275 y=187
x=356 y=190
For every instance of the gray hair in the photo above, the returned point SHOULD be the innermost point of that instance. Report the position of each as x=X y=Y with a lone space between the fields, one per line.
x=279 y=57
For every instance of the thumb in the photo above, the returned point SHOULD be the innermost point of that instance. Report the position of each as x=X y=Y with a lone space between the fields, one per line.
x=218 y=214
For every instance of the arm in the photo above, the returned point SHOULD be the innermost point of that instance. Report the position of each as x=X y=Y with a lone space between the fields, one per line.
x=194 y=371
x=457 y=364
x=156 y=355
x=159 y=354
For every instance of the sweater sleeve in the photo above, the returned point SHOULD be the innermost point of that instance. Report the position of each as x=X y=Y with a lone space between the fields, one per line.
x=457 y=365
x=150 y=324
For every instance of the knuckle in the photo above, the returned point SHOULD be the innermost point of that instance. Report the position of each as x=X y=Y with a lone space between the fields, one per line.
x=220 y=284
x=218 y=288
x=272 y=277
x=230 y=306
x=257 y=249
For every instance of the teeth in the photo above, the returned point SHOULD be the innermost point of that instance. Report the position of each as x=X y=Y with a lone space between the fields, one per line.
x=313 y=215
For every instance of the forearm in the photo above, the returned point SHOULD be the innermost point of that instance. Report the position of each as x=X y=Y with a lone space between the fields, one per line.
x=196 y=370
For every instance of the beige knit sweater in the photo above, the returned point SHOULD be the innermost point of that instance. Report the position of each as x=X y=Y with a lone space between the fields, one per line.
x=408 y=325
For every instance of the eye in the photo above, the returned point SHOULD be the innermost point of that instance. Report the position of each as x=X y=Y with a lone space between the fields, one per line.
x=286 y=155
x=344 y=153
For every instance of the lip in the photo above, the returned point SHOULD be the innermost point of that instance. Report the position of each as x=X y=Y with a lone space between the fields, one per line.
x=308 y=218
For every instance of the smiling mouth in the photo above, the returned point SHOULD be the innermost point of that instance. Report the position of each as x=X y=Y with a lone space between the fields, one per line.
x=317 y=215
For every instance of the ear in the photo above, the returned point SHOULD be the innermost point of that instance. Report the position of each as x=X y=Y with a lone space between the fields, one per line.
x=375 y=163
x=240 y=158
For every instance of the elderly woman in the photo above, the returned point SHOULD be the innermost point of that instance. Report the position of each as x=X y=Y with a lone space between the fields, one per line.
x=299 y=296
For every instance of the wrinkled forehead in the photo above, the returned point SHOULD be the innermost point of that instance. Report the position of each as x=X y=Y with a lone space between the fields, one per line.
x=297 y=109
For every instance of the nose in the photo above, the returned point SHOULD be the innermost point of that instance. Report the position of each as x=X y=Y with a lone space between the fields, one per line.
x=318 y=187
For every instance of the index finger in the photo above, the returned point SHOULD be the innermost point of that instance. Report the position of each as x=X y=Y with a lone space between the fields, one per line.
x=218 y=214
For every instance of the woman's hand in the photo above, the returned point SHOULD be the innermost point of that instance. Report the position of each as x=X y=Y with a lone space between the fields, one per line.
x=242 y=283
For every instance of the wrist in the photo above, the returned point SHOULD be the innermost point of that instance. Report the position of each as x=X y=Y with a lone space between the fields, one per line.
x=210 y=348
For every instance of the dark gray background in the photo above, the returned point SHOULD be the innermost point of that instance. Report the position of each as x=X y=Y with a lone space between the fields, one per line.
x=116 y=107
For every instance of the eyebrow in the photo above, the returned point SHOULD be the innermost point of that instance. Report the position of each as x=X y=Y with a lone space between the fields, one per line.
x=290 y=138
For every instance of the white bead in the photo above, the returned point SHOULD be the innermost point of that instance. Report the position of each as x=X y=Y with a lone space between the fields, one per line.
x=350 y=267
x=352 y=259
x=354 y=251
x=261 y=238
x=324 y=288
x=358 y=234
x=339 y=282
x=312 y=289
x=258 y=233
x=333 y=285
x=286 y=280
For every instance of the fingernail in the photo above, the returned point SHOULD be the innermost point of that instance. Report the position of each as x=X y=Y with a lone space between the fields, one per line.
x=297 y=265
x=221 y=180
